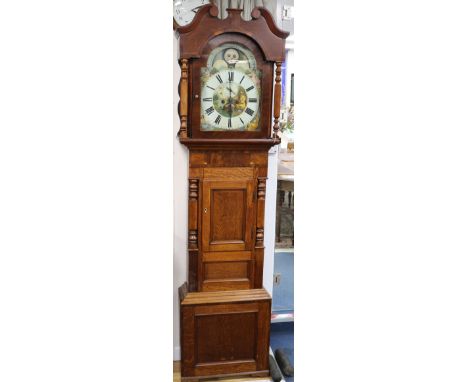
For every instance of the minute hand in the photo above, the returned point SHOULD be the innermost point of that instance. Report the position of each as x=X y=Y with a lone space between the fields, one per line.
x=230 y=99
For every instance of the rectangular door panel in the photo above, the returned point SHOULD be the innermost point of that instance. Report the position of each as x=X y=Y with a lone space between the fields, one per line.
x=227 y=275
x=228 y=215
x=234 y=340
x=227 y=271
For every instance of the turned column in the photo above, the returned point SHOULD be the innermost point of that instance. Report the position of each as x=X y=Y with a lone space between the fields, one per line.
x=183 y=93
x=277 y=101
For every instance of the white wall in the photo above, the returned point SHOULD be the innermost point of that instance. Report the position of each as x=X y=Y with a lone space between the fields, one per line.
x=286 y=25
x=270 y=219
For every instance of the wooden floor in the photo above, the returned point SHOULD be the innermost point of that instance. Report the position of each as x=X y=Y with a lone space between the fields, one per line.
x=177 y=377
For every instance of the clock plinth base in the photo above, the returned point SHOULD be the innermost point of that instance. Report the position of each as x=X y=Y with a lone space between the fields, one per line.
x=224 y=333
x=257 y=374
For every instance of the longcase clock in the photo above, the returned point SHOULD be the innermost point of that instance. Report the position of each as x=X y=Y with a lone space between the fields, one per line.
x=230 y=96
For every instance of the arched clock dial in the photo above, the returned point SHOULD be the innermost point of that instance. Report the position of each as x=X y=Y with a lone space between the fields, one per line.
x=185 y=10
x=229 y=101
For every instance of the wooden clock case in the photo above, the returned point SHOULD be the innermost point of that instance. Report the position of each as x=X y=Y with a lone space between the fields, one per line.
x=225 y=311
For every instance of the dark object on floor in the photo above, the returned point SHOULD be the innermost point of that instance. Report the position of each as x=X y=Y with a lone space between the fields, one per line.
x=282 y=337
x=275 y=372
x=284 y=363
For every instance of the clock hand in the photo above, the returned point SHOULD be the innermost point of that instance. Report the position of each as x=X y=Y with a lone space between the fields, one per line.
x=230 y=99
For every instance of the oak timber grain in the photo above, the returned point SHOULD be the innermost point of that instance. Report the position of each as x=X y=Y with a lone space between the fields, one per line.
x=251 y=377
x=259 y=236
x=226 y=284
x=227 y=256
x=227 y=270
x=228 y=223
x=224 y=327
x=277 y=103
x=183 y=104
x=227 y=172
x=226 y=345
x=228 y=158
x=196 y=298
x=228 y=215
x=224 y=332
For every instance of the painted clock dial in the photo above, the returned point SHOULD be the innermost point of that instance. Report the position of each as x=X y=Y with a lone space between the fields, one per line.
x=230 y=90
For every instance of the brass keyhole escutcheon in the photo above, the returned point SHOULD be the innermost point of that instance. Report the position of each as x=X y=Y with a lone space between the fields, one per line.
x=205 y=210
